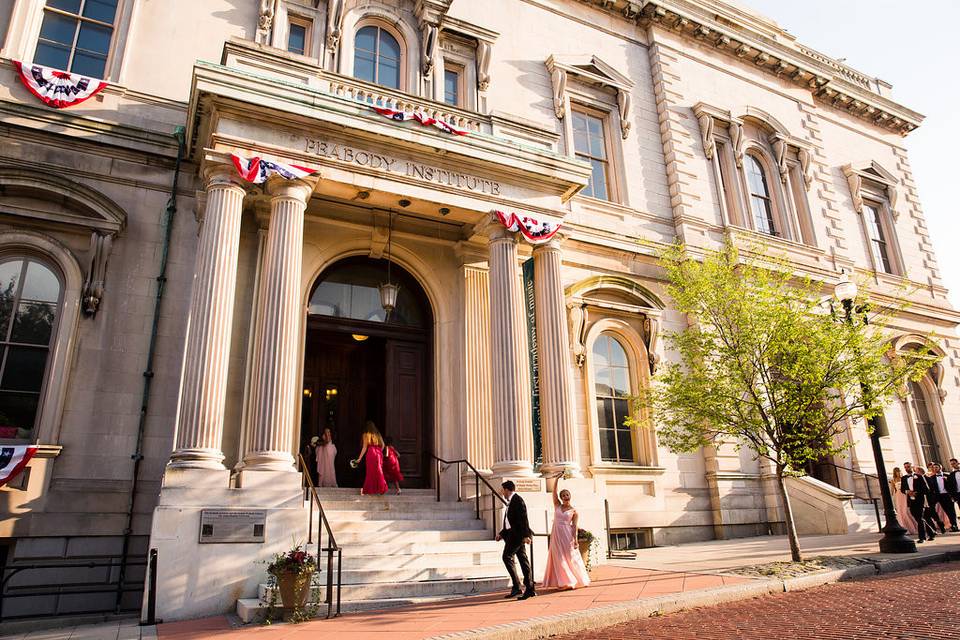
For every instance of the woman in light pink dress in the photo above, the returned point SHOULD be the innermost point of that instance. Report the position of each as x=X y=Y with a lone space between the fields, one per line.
x=565 y=568
x=326 y=452
x=900 y=503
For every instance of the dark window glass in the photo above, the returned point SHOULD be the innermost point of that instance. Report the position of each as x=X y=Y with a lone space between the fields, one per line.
x=297 y=39
x=589 y=145
x=760 y=203
x=75 y=35
x=377 y=57
x=611 y=374
x=878 y=241
x=929 y=443
x=451 y=87
x=29 y=302
x=351 y=290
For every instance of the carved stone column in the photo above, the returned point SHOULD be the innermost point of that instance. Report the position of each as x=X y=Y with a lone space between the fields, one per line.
x=556 y=405
x=513 y=440
x=203 y=386
x=275 y=385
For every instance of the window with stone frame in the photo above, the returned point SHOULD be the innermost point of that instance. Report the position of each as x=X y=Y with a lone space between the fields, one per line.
x=299 y=35
x=590 y=144
x=612 y=390
x=30 y=299
x=759 y=196
x=873 y=191
x=453 y=84
x=925 y=424
x=378 y=55
x=76 y=36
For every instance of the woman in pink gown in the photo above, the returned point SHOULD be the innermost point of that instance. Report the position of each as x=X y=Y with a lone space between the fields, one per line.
x=565 y=568
x=900 y=503
x=372 y=447
x=326 y=452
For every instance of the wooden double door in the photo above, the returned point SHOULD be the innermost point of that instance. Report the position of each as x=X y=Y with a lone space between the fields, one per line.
x=351 y=377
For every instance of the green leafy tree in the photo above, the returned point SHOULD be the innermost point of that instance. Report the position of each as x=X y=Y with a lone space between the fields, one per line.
x=767 y=363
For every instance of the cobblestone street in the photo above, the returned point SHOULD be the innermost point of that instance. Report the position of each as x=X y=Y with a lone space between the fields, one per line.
x=906 y=606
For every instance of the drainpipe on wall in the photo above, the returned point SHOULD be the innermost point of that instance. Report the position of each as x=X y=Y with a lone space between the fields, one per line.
x=137 y=457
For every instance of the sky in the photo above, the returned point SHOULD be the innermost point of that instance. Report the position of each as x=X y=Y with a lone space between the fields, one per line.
x=915 y=47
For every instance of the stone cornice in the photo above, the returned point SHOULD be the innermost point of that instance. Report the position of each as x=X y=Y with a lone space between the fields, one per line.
x=750 y=37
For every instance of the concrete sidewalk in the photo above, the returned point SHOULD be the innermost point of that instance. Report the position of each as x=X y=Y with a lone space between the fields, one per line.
x=660 y=580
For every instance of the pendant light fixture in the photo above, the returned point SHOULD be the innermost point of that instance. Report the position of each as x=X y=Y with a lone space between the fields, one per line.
x=389 y=290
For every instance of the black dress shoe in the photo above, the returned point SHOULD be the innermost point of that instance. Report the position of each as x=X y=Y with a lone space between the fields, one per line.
x=513 y=594
x=529 y=593
x=921 y=540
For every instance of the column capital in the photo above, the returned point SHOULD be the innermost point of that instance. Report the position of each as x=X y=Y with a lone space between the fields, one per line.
x=299 y=190
x=497 y=232
x=553 y=244
x=220 y=174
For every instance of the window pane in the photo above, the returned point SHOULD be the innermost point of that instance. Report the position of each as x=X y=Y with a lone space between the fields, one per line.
x=618 y=357
x=297 y=40
x=89 y=64
x=756 y=178
x=102 y=10
x=451 y=87
x=389 y=48
x=625 y=445
x=605 y=417
x=608 y=444
x=9 y=277
x=603 y=385
x=18 y=411
x=23 y=370
x=595 y=127
x=366 y=40
x=73 y=6
x=621 y=382
x=598 y=180
x=33 y=323
x=363 y=66
x=581 y=140
x=622 y=408
x=40 y=285
x=52 y=55
x=94 y=39
x=389 y=73
x=601 y=347
x=597 y=149
x=58 y=28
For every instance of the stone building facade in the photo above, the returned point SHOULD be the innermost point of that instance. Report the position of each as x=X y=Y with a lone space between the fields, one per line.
x=192 y=350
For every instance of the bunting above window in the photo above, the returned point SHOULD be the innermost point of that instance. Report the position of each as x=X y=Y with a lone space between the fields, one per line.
x=13 y=459
x=422 y=118
x=535 y=231
x=58 y=89
x=257 y=170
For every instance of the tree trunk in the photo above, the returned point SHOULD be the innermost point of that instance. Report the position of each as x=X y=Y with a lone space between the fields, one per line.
x=788 y=518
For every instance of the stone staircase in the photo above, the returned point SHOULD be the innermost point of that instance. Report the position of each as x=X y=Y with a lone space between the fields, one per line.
x=401 y=550
x=864 y=517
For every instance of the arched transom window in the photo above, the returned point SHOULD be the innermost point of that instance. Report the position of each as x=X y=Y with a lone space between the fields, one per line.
x=611 y=374
x=377 y=56
x=761 y=205
x=29 y=303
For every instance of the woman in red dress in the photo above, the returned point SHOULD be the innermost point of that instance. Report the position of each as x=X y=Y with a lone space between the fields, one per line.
x=372 y=447
x=391 y=465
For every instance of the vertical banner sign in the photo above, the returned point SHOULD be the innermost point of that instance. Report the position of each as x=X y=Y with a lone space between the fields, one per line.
x=531 y=313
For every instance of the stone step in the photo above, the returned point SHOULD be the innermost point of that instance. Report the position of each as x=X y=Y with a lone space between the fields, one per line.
x=353 y=562
x=252 y=609
x=415 y=589
x=485 y=544
x=393 y=526
x=409 y=495
x=395 y=505
x=353 y=538
x=403 y=576
x=415 y=513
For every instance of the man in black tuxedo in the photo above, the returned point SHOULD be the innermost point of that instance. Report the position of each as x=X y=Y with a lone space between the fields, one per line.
x=515 y=533
x=953 y=480
x=940 y=495
x=916 y=489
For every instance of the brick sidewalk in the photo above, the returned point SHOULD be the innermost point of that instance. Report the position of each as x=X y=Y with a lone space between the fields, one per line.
x=611 y=585
x=913 y=605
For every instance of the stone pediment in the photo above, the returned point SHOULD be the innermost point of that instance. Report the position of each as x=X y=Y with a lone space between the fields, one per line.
x=592 y=69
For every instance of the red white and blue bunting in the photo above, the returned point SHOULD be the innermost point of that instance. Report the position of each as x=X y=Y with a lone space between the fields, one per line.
x=13 y=460
x=425 y=120
x=257 y=170
x=535 y=231
x=58 y=89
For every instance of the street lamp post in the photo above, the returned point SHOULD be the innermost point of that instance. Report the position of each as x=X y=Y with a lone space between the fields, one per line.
x=895 y=539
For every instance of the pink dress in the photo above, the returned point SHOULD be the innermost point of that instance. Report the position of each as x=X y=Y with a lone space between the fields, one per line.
x=374 y=482
x=903 y=510
x=391 y=466
x=564 y=565
x=326 y=474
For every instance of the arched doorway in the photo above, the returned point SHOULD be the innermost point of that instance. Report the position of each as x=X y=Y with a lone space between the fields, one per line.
x=361 y=365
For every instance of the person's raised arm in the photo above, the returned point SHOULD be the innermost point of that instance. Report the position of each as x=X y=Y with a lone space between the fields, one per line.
x=556 y=489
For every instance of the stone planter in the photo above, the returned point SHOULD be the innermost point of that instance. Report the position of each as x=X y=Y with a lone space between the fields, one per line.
x=294 y=589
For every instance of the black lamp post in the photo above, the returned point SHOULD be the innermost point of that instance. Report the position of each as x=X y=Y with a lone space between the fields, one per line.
x=895 y=539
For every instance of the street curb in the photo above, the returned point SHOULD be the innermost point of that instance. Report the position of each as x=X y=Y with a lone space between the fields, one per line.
x=577 y=621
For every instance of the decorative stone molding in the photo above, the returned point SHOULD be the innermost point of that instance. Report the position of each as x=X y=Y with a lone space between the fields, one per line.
x=707 y=116
x=706 y=135
x=430 y=14
x=484 y=39
x=577 y=311
x=335 y=13
x=651 y=331
x=806 y=165
x=780 y=154
x=735 y=129
x=593 y=71
x=268 y=9
x=484 y=50
x=93 y=284
x=917 y=342
x=860 y=174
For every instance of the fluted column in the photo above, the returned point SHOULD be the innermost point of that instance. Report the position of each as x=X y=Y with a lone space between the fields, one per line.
x=513 y=440
x=560 y=451
x=203 y=385
x=274 y=385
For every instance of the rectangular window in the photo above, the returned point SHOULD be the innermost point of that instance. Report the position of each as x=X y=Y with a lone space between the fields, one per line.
x=452 y=76
x=75 y=36
x=589 y=144
x=878 y=242
x=298 y=36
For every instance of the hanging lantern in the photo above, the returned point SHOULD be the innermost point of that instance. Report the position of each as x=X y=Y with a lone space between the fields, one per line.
x=389 y=290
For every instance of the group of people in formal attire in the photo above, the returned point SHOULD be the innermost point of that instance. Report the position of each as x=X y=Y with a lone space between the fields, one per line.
x=380 y=458
x=930 y=498
x=565 y=568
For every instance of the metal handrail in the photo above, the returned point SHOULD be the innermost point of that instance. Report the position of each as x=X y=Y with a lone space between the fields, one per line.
x=478 y=478
x=867 y=482
x=332 y=546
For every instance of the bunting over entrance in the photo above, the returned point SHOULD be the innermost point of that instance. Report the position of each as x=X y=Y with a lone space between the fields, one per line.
x=535 y=231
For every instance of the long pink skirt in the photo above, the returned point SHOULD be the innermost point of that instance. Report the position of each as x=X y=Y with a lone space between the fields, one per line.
x=565 y=567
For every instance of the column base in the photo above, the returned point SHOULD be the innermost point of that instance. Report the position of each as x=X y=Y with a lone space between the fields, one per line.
x=269 y=461
x=197 y=459
x=193 y=478
x=259 y=479
x=513 y=468
x=548 y=469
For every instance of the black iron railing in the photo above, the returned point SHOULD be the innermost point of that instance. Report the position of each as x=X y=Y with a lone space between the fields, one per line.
x=323 y=525
x=869 y=481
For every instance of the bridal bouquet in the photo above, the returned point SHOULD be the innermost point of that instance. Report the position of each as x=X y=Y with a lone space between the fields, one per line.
x=354 y=464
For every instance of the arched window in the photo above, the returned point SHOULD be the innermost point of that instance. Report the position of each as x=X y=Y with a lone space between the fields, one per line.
x=377 y=56
x=611 y=374
x=924 y=422
x=351 y=290
x=761 y=205
x=30 y=298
